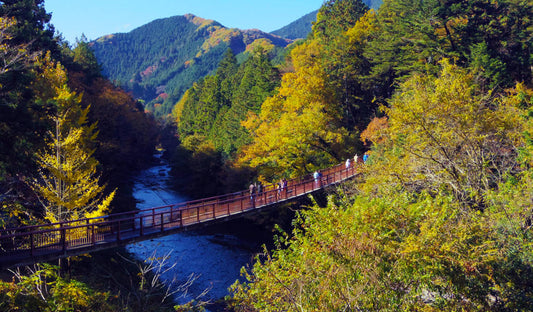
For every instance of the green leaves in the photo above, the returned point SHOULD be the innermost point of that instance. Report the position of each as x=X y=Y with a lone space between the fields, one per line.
x=216 y=106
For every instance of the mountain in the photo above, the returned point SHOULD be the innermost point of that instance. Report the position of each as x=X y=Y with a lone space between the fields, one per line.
x=159 y=61
x=299 y=28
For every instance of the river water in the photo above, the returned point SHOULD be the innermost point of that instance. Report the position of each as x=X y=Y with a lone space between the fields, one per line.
x=214 y=260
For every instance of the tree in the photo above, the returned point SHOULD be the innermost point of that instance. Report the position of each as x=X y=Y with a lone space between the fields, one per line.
x=215 y=106
x=336 y=16
x=33 y=27
x=348 y=70
x=68 y=185
x=19 y=116
x=85 y=58
x=414 y=36
x=44 y=289
x=297 y=129
x=447 y=134
x=255 y=80
x=13 y=57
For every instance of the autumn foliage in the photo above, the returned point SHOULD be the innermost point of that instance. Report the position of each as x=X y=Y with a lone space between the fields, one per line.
x=440 y=219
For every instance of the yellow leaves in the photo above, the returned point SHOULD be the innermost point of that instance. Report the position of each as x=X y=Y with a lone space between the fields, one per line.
x=446 y=134
x=263 y=43
x=177 y=111
x=295 y=130
x=50 y=84
x=365 y=27
x=68 y=185
x=447 y=29
x=5 y=24
x=217 y=35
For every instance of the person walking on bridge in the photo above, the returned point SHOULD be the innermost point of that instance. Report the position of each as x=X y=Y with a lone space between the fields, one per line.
x=317 y=176
x=252 y=194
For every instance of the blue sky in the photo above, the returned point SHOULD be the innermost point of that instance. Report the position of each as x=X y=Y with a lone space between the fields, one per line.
x=96 y=18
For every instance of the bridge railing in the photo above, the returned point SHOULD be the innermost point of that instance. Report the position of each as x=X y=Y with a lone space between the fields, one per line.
x=59 y=238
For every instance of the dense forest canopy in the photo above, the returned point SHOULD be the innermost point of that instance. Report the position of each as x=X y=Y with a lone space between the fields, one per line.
x=440 y=94
x=48 y=88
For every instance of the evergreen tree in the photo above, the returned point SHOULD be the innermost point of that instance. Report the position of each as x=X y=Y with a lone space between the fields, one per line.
x=226 y=71
x=255 y=81
x=413 y=36
x=85 y=58
x=33 y=24
x=19 y=114
x=337 y=16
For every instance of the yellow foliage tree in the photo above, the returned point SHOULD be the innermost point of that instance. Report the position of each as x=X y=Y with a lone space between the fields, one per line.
x=68 y=186
x=297 y=129
x=446 y=134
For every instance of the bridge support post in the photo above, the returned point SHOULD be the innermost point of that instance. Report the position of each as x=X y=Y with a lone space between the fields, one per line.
x=63 y=238
x=32 y=244
x=88 y=233
x=118 y=230
x=93 y=238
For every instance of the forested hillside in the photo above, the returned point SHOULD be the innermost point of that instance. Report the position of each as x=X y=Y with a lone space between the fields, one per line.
x=298 y=29
x=69 y=143
x=438 y=95
x=162 y=59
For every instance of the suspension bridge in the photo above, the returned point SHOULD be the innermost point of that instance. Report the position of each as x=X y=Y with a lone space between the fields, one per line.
x=33 y=244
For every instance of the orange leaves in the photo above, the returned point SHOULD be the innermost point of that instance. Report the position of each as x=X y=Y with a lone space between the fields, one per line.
x=376 y=131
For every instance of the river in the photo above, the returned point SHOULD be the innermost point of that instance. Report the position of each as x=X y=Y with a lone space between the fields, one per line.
x=213 y=259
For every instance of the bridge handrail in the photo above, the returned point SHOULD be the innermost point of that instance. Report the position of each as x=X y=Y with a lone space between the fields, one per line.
x=90 y=231
x=59 y=226
x=186 y=204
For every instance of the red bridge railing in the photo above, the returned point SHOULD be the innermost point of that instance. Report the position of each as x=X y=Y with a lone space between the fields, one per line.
x=25 y=245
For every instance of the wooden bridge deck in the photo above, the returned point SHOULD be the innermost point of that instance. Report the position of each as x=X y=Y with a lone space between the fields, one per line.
x=33 y=244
